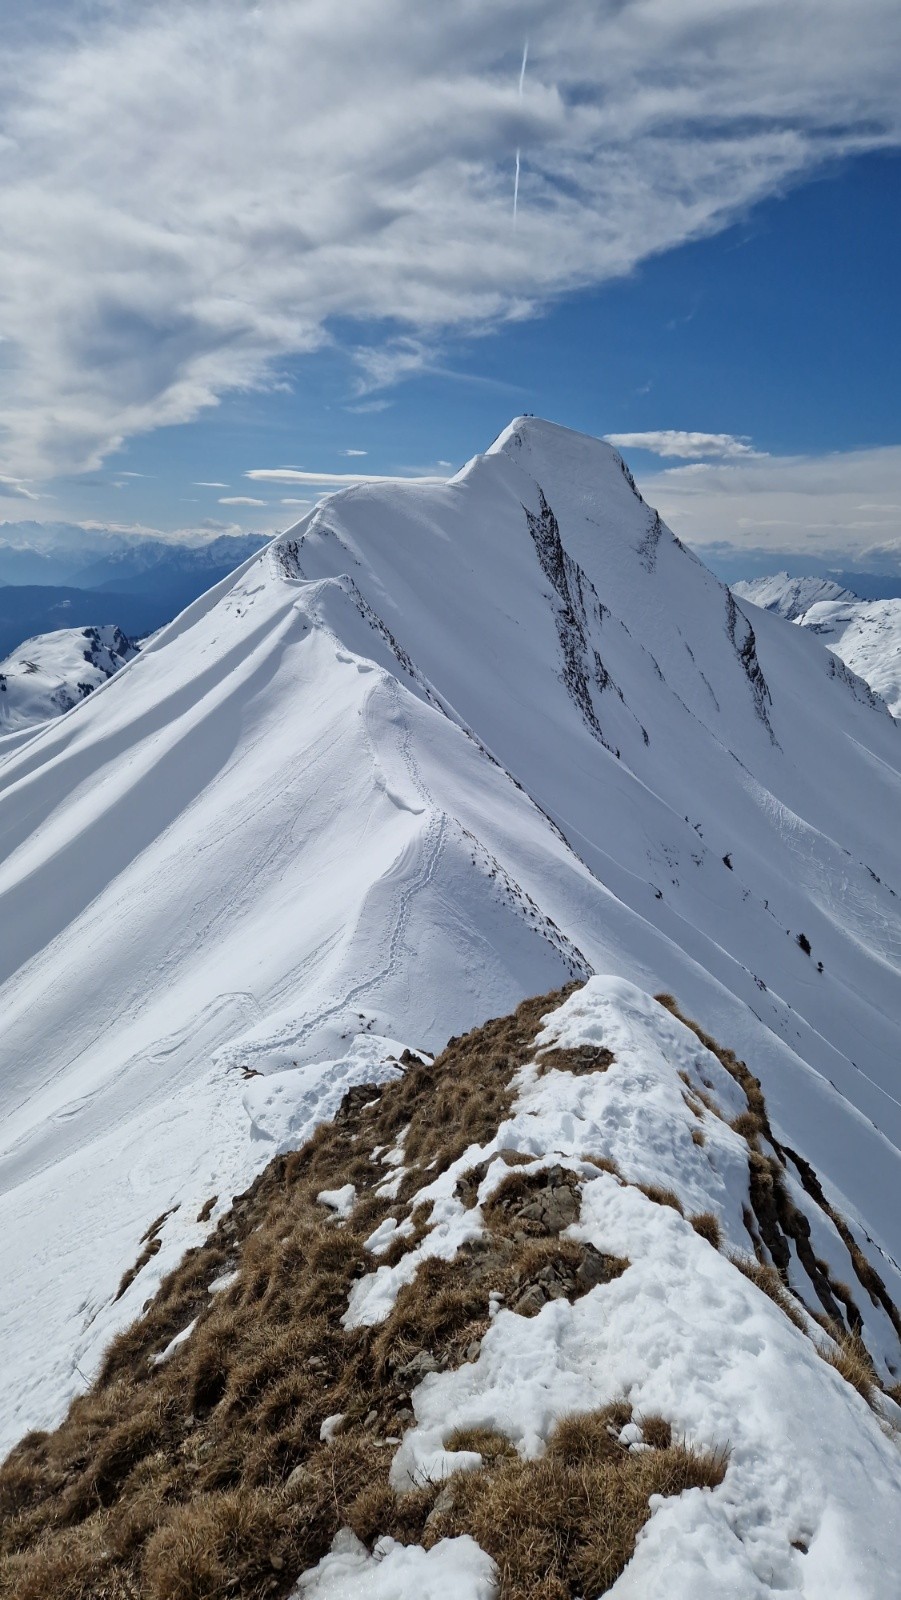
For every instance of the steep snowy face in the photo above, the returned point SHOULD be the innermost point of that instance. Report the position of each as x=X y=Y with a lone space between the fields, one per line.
x=790 y=597
x=49 y=675
x=436 y=748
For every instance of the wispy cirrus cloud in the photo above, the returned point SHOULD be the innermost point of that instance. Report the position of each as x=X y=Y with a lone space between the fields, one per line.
x=194 y=191
x=685 y=446
x=14 y=489
x=330 y=480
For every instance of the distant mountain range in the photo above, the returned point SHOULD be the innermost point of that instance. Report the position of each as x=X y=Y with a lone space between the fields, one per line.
x=55 y=575
x=864 y=633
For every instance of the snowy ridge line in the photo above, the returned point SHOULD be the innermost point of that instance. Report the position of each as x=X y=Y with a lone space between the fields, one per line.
x=568 y=1253
x=204 y=861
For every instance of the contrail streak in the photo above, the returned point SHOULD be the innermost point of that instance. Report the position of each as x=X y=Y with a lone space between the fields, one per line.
x=522 y=79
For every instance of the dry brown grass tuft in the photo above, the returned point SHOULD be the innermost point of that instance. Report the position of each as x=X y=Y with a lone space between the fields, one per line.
x=708 y=1226
x=566 y=1524
x=662 y=1197
x=746 y=1124
x=767 y=1279
x=850 y=1357
x=491 y=1446
x=605 y=1164
x=585 y=1058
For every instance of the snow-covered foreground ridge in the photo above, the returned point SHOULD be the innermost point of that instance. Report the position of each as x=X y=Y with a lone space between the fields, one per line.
x=510 y=1327
x=865 y=634
x=438 y=747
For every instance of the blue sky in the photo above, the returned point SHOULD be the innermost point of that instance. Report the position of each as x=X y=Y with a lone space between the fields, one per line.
x=701 y=265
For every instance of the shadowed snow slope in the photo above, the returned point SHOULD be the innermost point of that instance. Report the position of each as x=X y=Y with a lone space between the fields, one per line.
x=438 y=747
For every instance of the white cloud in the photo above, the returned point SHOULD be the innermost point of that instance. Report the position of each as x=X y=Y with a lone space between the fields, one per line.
x=354 y=452
x=685 y=446
x=844 y=505
x=241 y=500
x=328 y=480
x=206 y=483
x=193 y=191
x=292 y=502
x=14 y=489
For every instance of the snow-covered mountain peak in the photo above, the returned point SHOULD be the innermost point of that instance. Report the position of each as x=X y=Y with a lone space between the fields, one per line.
x=50 y=674
x=552 y=453
x=438 y=747
x=791 y=597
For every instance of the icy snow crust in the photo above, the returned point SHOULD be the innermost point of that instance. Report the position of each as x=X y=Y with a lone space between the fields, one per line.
x=808 y=1506
x=437 y=748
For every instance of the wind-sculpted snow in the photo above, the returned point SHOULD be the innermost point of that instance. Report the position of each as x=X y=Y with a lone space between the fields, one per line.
x=357 y=791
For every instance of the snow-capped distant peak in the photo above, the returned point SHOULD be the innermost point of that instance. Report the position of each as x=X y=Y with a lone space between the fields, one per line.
x=790 y=597
x=50 y=674
x=864 y=634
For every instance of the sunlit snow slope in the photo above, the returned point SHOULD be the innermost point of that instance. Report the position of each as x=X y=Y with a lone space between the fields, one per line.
x=437 y=748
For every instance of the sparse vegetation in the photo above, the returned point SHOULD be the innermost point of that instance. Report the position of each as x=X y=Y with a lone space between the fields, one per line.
x=778 y=1227
x=708 y=1226
x=850 y=1356
x=566 y=1524
x=205 y=1475
x=662 y=1197
x=586 y=1058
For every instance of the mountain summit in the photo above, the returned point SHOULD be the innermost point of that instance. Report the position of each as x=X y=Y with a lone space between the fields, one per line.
x=436 y=748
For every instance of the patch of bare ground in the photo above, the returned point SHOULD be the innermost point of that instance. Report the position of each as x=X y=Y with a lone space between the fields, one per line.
x=203 y=1474
x=583 y=1059
x=777 y=1227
